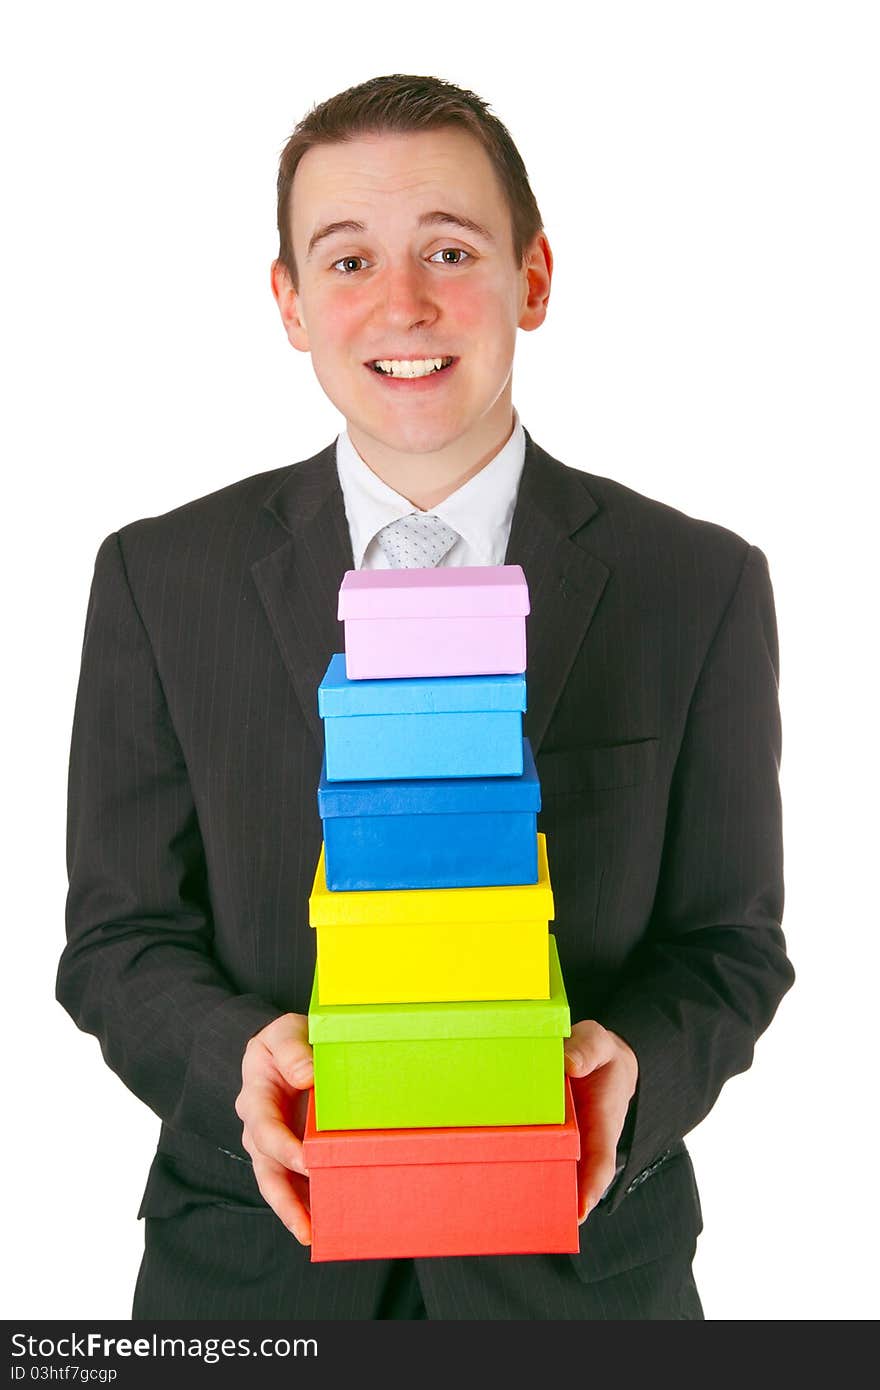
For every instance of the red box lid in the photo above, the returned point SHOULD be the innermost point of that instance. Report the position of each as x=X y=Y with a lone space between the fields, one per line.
x=367 y=1148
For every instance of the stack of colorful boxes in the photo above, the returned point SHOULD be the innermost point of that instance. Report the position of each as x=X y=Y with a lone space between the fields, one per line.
x=441 y=1121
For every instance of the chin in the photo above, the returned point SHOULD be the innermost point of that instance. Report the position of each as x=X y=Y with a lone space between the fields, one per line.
x=411 y=436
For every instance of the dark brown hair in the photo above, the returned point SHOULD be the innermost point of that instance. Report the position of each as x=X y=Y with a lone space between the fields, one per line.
x=401 y=103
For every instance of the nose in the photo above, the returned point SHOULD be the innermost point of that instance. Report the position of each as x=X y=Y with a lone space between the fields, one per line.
x=406 y=295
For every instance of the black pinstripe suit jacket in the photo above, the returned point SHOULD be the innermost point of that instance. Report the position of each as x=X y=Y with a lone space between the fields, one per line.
x=193 y=825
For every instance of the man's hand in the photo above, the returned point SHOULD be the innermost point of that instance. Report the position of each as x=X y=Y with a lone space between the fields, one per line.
x=277 y=1074
x=604 y=1071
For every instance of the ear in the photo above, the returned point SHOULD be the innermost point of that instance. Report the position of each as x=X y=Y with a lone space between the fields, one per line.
x=537 y=273
x=289 y=306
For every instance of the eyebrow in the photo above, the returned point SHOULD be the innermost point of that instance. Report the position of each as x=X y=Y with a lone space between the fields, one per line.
x=427 y=219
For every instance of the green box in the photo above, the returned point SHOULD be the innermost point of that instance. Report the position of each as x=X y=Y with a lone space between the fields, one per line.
x=410 y=1066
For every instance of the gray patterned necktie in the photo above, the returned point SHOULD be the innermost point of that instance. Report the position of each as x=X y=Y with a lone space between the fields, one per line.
x=417 y=541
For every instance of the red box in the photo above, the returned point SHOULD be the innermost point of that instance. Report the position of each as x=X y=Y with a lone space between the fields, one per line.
x=403 y=1193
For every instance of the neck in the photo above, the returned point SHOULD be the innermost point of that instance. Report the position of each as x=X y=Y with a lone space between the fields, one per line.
x=425 y=480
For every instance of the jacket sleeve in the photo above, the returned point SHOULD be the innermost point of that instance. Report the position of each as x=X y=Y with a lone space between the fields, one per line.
x=712 y=967
x=138 y=970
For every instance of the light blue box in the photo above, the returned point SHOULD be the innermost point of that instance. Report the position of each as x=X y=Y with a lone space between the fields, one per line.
x=445 y=726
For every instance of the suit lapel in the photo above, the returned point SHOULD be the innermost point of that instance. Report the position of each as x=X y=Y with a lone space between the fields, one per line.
x=565 y=581
x=299 y=582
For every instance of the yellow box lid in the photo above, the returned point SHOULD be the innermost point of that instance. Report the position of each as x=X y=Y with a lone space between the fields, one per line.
x=516 y=902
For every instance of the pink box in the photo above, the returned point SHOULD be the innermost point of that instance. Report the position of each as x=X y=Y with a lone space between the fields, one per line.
x=466 y=621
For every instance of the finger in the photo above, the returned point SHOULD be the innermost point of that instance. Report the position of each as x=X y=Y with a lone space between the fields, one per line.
x=595 y=1174
x=600 y=1124
x=294 y=1107
x=274 y=1140
x=268 y=1133
x=286 y=1195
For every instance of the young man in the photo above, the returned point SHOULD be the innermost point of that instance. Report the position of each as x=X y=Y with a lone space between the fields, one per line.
x=412 y=250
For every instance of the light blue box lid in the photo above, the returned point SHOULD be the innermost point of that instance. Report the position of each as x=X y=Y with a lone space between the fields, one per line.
x=339 y=696
x=432 y=796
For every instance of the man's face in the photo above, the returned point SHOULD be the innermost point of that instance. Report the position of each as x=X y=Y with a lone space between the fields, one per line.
x=409 y=286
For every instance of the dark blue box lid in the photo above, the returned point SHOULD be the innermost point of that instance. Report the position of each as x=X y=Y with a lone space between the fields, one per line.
x=337 y=695
x=432 y=796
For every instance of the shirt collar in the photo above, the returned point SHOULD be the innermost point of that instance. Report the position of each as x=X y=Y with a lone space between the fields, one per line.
x=480 y=510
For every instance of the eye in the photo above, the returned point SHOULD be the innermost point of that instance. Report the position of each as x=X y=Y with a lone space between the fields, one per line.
x=456 y=249
x=344 y=260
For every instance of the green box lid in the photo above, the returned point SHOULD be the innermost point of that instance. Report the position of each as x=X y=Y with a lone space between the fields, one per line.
x=494 y=1018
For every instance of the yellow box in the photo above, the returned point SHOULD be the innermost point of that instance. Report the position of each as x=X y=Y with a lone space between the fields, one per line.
x=423 y=945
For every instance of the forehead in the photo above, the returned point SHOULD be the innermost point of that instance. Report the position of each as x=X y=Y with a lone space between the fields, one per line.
x=383 y=176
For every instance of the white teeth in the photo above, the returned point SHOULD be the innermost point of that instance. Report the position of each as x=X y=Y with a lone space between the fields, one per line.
x=423 y=367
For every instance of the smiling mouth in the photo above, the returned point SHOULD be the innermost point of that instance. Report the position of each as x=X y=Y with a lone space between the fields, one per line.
x=410 y=369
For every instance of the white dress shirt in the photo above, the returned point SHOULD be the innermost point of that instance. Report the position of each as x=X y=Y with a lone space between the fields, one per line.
x=481 y=510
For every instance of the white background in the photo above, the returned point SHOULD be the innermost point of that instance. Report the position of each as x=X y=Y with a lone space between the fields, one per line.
x=707 y=174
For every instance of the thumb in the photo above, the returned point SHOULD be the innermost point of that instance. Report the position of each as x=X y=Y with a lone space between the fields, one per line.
x=589 y=1046
x=293 y=1058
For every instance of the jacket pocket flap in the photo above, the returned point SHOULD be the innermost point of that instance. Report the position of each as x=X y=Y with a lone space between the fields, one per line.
x=177 y=1182
x=659 y=1218
x=595 y=768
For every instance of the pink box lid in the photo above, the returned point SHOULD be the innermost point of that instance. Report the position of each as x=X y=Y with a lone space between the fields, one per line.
x=468 y=591
x=355 y=1148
